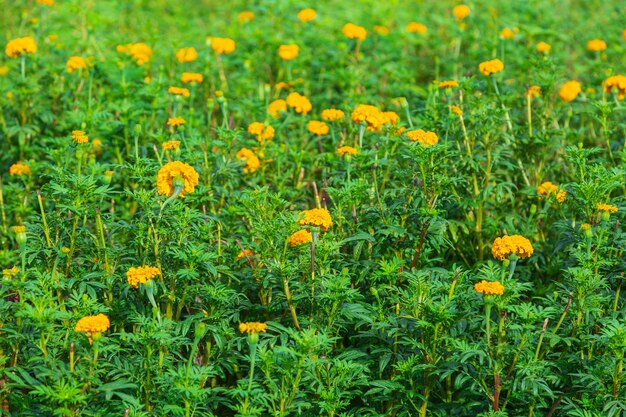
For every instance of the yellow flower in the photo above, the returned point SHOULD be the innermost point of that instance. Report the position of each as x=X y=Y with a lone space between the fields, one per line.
x=346 y=150
x=276 y=107
x=140 y=52
x=20 y=233
x=596 y=45
x=170 y=145
x=52 y=37
x=415 y=27
x=175 y=175
x=353 y=31
x=75 y=63
x=300 y=238
x=19 y=169
x=317 y=217
x=425 y=138
x=177 y=91
x=543 y=48
x=252 y=161
x=4 y=70
x=46 y=2
x=617 y=82
x=491 y=67
x=533 y=91
x=299 y=103
x=381 y=30
x=570 y=90
x=21 y=46
x=331 y=115
x=609 y=208
x=175 y=121
x=18 y=229
x=460 y=11
x=93 y=324
x=507 y=33
x=10 y=273
x=222 y=45
x=191 y=77
x=96 y=146
x=245 y=16
x=317 y=128
x=283 y=85
x=186 y=55
x=252 y=327
x=456 y=110
x=489 y=287
x=390 y=117
x=306 y=15
x=505 y=246
x=370 y=115
x=448 y=84
x=246 y=253
x=78 y=136
x=141 y=274
x=288 y=52
x=261 y=131
x=548 y=189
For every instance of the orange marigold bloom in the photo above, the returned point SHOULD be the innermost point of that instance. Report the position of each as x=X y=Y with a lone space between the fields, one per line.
x=191 y=77
x=245 y=16
x=489 y=287
x=46 y=2
x=281 y=85
x=448 y=84
x=141 y=275
x=617 y=82
x=300 y=238
x=140 y=52
x=276 y=107
x=596 y=45
x=353 y=31
x=252 y=161
x=370 y=115
x=460 y=11
x=299 y=103
x=288 y=52
x=222 y=45
x=425 y=138
x=317 y=128
x=21 y=46
x=170 y=145
x=10 y=273
x=381 y=30
x=570 y=90
x=261 y=131
x=178 y=91
x=505 y=246
x=415 y=27
x=93 y=324
x=78 y=136
x=609 y=208
x=175 y=175
x=491 y=67
x=548 y=189
x=543 y=47
x=346 y=150
x=456 y=110
x=175 y=121
x=331 y=115
x=19 y=169
x=533 y=91
x=75 y=63
x=317 y=217
x=245 y=254
x=507 y=33
x=390 y=117
x=252 y=327
x=306 y=15
x=186 y=55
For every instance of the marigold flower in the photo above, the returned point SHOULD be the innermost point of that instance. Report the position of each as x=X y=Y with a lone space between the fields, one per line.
x=75 y=63
x=170 y=145
x=299 y=103
x=331 y=115
x=175 y=121
x=370 y=115
x=78 y=136
x=186 y=55
x=585 y=227
x=20 y=233
x=543 y=48
x=617 y=82
x=245 y=16
x=300 y=238
x=317 y=217
x=390 y=117
x=491 y=67
x=246 y=253
x=415 y=27
x=609 y=208
x=175 y=175
x=178 y=91
x=4 y=70
x=19 y=169
x=10 y=273
x=505 y=246
x=141 y=275
x=346 y=150
x=46 y=2
x=548 y=189
x=140 y=52
x=252 y=327
x=353 y=31
x=317 y=128
x=261 y=131
x=222 y=45
x=381 y=30
x=596 y=45
x=252 y=161
x=507 y=33
x=281 y=85
x=460 y=11
x=456 y=110
x=448 y=84
x=191 y=77
x=288 y=52
x=21 y=46
x=489 y=287
x=276 y=107
x=93 y=324
x=425 y=138
x=570 y=90
x=533 y=91
x=306 y=15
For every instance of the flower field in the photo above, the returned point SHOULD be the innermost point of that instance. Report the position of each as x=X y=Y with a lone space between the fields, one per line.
x=275 y=208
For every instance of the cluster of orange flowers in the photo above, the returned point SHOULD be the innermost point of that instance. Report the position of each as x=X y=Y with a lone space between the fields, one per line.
x=222 y=45
x=300 y=237
x=533 y=91
x=608 y=208
x=186 y=55
x=79 y=136
x=317 y=217
x=93 y=326
x=543 y=47
x=491 y=67
x=346 y=150
x=570 y=90
x=489 y=287
x=373 y=117
x=252 y=161
x=140 y=52
x=252 y=327
x=299 y=103
x=175 y=175
x=317 y=128
x=448 y=84
x=306 y=15
x=19 y=169
x=178 y=91
x=276 y=107
x=415 y=27
x=141 y=275
x=505 y=246
x=170 y=145
x=353 y=31
x=331 y=115
x=288 y=52
x=75 y=63
x=596 y=45
x=548 y=189
x=460 y=11
x=261 y=131
x=508 y=33
x=175 y=121
x=191 y=77
x=21 y=46
x=617 y=82
x=425 y=138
